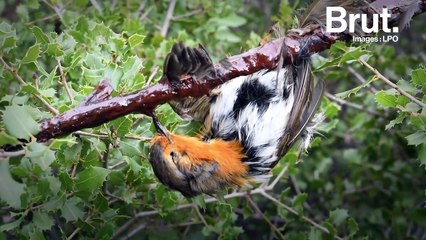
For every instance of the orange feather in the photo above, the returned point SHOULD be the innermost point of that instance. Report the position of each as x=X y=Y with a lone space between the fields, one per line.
x=227 y=154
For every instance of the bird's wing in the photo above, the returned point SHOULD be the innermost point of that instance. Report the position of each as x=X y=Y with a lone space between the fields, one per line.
x=307 y=99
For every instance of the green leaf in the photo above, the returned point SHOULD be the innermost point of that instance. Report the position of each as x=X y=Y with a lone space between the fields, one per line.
x=315 y=234
x=418 y=77
x=42 y=220
x=40 y=36
x=22 y=12
x=396 y=121
x=385 y=99
x=418 y=121
x=70 y=211
x=122 y=126
x=416 y=138
x=11 y=225
x=299 y=199
x=355 y=90
x=352 y=226
x=32 y=54
x=232 y=20
x=10 y=190
x=19 y=121
x=135 y=40
x=136 y=168
x=40 y=154
x=338 y=216
x=91 y=178
x=54 y=49
x=6 y=139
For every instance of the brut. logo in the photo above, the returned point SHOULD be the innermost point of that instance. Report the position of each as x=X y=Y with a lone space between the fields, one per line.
x=348 y=24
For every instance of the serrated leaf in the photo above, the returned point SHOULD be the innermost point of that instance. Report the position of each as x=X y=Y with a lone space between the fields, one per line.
x=315 y=234
x=6 y=139
x=352 y=226
x=135 y=40
x=54 y=49
x=70 y=211
x=418 y=77
x=32 y=54
x=416 y=138
x=42 y=220
x=131 y=68
x=338 y=216
x=40 y=154
x=199 y=201
x=385 y=99
x=40 y=36
x=10 y=190
x=91 y=178
x=122 y=126
x=136 y=168
x=11 y=225
x=355 y=90
x=19 y=121
x=299 y=199
x=396 y=121
x=419 y=121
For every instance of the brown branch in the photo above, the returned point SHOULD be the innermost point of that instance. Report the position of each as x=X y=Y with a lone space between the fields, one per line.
x=264 y=57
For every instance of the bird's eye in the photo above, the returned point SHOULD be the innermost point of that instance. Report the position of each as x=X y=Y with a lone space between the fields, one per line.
x=174 y=157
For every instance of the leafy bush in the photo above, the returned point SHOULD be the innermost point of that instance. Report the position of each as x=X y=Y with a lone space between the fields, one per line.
x=363 y=178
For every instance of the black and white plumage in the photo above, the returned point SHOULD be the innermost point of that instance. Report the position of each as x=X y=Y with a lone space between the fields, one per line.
x=250 y=122
x=263 y=114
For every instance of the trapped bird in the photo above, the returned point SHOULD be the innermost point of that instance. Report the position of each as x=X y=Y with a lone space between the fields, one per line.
x=250 y=122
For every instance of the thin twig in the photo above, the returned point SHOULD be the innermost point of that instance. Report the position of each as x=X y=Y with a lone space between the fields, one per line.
x=72 y=235
x=58 y=10
x=134 y=231
x=293 y=211
x=116 y=165
x=361 y=79
x=343 y=102
x=14 y=72
x=143 y=214
x=169 y=16
x=203 y=220
x=277 y=178
x=154 y=71
x=96 y=5
x=63 y=80
x=257 y=209
x=393 y=85
x=189 y=14
x=5 y=155
x=104 y=136
x=41 y=19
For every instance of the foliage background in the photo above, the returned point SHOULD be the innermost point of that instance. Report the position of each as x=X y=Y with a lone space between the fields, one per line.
x=363 y=178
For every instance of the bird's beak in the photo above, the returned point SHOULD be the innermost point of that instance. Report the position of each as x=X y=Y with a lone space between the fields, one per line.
x=160 y=128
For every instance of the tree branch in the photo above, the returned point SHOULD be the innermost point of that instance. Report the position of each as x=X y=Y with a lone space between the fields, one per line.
x=393 y=85
x=63 y=80
x=264 y=57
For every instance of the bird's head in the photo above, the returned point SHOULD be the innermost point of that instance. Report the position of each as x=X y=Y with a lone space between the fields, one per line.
x=192 y=166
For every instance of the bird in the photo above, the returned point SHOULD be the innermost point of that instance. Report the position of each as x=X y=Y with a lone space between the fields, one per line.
x=249 y=122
